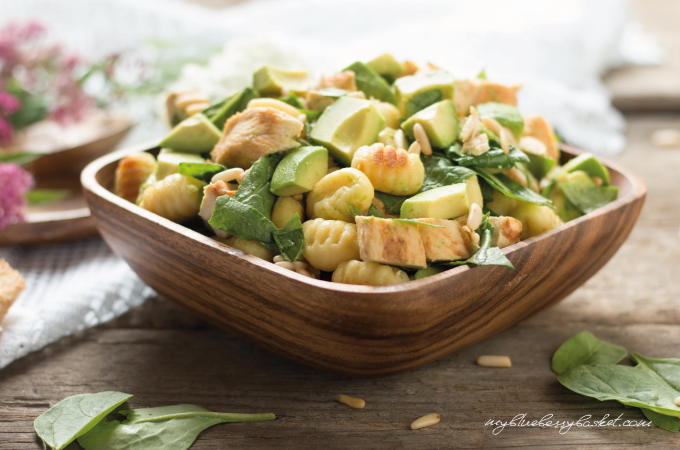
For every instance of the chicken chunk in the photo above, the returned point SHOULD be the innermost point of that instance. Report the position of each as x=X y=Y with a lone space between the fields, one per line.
x=387 y=241
x=343 y=80
x=474 y=141
x=210 y=194
x=506 y=231
x=474 y=92
x=11 y=285
x=253 y=133
x=537 y=127
x=451 y=243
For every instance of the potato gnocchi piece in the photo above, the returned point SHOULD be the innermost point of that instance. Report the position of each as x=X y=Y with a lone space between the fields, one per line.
x=390 y=170
x=132 y=172
x=368 y=273
x=329 y=243
x=251 y=247
x=340 y=195
x=390 y=113
x=175 y=197
x=535 y=219
x=284 y=209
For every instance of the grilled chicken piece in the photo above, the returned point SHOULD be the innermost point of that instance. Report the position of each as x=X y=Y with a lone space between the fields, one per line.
x=387 y=241
x=537 y=127
x=343 y=80
x=210 y=194
x=451 y=243
x=253 y=133
x=474 y=92
x=506 y=231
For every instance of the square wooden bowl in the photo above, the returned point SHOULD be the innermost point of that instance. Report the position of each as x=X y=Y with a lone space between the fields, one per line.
x=358 y=331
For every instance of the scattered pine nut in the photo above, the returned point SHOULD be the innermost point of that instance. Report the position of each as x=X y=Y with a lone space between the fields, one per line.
x=505 y=142
x=297 y=197
x=494 y=361
x=399 y=139
x=242 y=176
x=677 y=401
x=598 y=181
x=279 y=258
x=304 y=272
x=286 y=265
x=423 y=140
x=414 y=148
x=425 y=421
x=228 y=175
x=355 y=403
x=300 y=264
x=474 y=218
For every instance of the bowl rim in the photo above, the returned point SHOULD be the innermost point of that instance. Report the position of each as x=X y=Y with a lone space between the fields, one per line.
x=89 y=182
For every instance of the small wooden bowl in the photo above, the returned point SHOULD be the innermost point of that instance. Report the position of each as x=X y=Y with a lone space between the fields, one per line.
x=358 y=331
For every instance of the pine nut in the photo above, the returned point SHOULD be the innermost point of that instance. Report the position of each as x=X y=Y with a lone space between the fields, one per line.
x=279 y=258
x=494 y=361
x=286 y=265
x=303 y=272
x=302 y=118
x=240 y=178
x=228 y=175
x=196 y=108
x=355 y=403
x=493 y=125
x=297 y=197
x=414 y=148
x=276 y=104
x=474 y=218
x=300 y=264
x=598 y=181
x=677 y=401
x=184 y=100
x=399 y=139
x=425 y=421
x=421 y=137
x=505 y=143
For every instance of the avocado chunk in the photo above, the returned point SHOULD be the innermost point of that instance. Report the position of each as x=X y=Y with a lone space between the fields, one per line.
x=346 y=125
x=299 y=171
x=474 y=191
x=590 y=165
x=196 y=134
x=386 y=66
x=506 y=115
x=431 y=270
x=417 y=92
x=220 y=112
x=320 y=100
x=440 y=122
x=270 y=81
x=168 y=162
x=371 y=84
x=444 y=202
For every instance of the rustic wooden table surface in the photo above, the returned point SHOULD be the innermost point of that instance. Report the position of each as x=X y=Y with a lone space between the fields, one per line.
x=165 y=356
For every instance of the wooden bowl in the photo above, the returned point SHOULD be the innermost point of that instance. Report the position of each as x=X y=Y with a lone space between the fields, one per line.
x=358 y=331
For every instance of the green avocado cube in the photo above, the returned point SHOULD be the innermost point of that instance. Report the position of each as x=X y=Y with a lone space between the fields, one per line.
x=168 y=162
x=270 y=81
x=413 y=92
x=474 y=191
x=386 y=66
x=196 y=134
x=590 y=165
x=346 y=125
x=440 y=122
x=444 y=202
x=371 y=84
x=299 y=171
x=506 y=115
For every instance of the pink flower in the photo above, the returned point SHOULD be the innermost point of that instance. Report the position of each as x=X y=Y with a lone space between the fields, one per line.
x=14 y=183
x=9 y=104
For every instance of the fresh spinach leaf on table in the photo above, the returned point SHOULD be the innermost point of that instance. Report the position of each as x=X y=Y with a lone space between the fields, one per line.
x=165 y=428
x=668 y=423
x=76 y=415
x=486 y=255
x=290 y=239
x=201 y=171
x=584 y=349
x=588 y=199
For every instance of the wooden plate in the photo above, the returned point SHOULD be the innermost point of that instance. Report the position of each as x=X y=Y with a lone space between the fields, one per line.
x=359 y=331
x=60 y=168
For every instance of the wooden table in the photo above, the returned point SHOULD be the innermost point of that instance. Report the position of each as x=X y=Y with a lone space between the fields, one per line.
x=165 y=356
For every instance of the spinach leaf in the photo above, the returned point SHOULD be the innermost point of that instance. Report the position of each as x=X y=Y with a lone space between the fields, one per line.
x=512 y=189
x=293 y=100
x=221 y=112
x=487 y=191
x=439 y=171
x=422 y=101
x=632 y=386
x=201 y=171
x=588 y=199
x=486 y=255
x=243 y=221
x=254 y=189
x=668 y=423
x=585 y=349
x=37 y=197
x=311 y=115
x=290 y=239
x=19 y=158
x=494 y=158
x=166 y=428
x=667 y=368
x=370 y=83
x=392 y=202
x=374 y=211
x=76 y=415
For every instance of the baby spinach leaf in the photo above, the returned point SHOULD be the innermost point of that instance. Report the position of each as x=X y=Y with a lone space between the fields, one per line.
x=392 y=202
x=221 y=112
x=585 y=349
x=76 y=415
x=632 y=386
x=19 y=158
x=422 y=101
x=439 y=171
x=668 y=423
x=512 y=189
x=486 y=255
x=494 y=158
x=166 y=428
x=37 y=197
x=487 y=191
x=243 y=221
x=588 y=199
x=290 y=239
x=201 y=171
x=370 y=83
x=374 y=211
x=293 y=100
x=667 y=368
x=254 y=189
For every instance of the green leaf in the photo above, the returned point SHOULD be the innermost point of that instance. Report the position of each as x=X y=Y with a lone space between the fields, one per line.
x=19 y=158
x=370 y=83
x=243 y=221
x=422 y=101
x=166 y=428
x=440 y=171
x=292 y=100
x=290 y=239
x=585 y=349
x=588 y=199
x=222 y=111
x=374 y=211
x=311 y=115
x=512 y=189
x=668 y=423
x=201 y=171
x=632 y=386
x=37 y=197
x=482 y=75
x=76 y=415
x=494 y=158
x=254 y=190
x=392 y=202
x=486 y=255
x=667 y=368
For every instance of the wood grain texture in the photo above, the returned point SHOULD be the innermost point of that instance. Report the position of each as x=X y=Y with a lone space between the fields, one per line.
x=357 y=331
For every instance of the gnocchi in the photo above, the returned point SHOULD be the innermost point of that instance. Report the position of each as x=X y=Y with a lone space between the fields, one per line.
x=390 y=170
x=175 y=197
x=368 y=273
x=329 y=243
x=340 y=195
x=131 y=173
